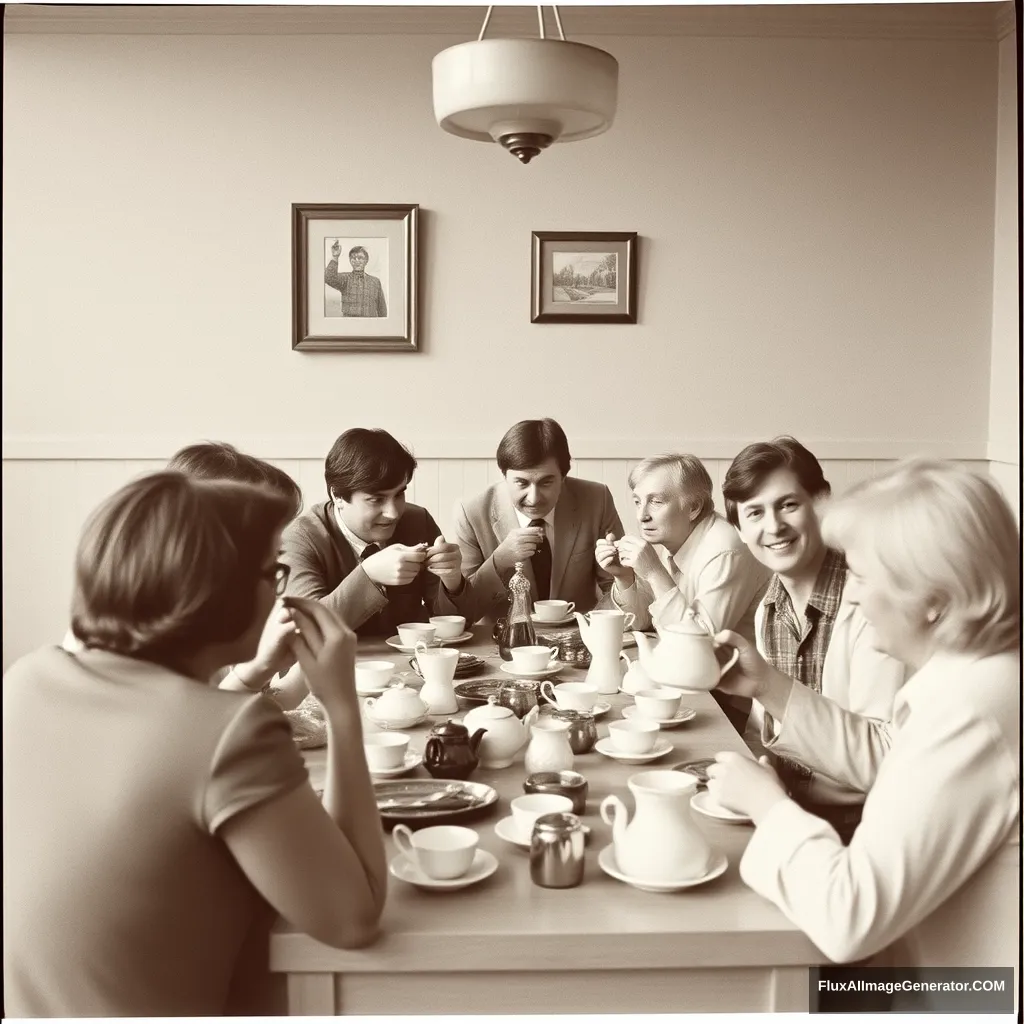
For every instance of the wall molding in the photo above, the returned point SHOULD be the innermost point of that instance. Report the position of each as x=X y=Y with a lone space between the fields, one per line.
x=84 y=447
x=954 y=21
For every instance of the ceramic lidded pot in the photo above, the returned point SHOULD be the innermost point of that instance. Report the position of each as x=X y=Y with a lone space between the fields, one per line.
x=451 y=753
x=506 y=735
x=397 y=705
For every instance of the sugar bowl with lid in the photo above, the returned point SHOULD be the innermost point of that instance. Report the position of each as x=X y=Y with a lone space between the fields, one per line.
x=398 y=706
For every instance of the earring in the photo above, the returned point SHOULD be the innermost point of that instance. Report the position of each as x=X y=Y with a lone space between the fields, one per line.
x=932 y=616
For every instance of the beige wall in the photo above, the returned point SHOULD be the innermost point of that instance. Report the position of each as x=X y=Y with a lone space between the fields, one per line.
x=1004 y=401
x=816 y=221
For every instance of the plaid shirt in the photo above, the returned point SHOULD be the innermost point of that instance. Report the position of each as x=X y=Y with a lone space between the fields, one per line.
x=800 y=653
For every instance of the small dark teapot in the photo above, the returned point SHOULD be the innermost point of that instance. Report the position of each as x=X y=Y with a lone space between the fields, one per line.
x=451 y=752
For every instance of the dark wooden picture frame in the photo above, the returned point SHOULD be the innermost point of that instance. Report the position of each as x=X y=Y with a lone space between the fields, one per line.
x=597 y=287
x=373 y=308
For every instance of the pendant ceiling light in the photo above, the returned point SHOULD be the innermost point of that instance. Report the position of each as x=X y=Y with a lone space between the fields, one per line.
x=525 y=93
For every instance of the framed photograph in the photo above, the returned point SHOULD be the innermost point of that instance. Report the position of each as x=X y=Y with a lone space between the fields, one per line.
x=355 y=272
x=583 y=277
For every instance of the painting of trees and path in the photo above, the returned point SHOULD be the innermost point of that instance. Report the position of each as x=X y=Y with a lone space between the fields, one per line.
x=585 y=276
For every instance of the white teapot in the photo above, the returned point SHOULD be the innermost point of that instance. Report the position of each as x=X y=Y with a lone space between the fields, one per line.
x=398 y=706
x=684 y=657
x=506 y=735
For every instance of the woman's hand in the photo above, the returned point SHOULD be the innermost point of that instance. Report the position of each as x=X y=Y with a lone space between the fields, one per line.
x=751 y=673
x=741 y=784
x=326 y=650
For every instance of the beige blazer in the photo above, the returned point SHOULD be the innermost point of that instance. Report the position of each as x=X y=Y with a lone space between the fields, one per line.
x=585 y=512
x=932 y=875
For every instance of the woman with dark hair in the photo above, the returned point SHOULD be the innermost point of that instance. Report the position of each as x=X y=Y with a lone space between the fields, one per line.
x=154 y=823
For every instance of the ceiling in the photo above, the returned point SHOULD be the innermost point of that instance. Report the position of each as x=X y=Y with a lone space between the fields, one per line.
x=963 y=21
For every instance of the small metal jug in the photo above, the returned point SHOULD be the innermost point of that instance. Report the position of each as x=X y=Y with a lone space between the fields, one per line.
x=556 y=851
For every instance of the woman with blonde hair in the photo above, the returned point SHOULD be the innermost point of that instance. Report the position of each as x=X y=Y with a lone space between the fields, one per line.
x=932 y=873
x=154 y=823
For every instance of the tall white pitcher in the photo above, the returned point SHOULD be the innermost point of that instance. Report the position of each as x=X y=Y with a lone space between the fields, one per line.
x=601 y=631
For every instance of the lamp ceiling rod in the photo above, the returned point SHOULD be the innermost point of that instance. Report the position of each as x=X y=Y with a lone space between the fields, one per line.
x=540 y=21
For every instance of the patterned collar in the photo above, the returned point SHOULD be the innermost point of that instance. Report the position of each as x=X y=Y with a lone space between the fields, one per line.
x=828 y=585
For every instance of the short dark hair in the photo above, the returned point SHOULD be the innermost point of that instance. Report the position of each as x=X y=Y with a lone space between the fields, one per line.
x=365 y=459
x=530 y=442
x=756 y=462
x=355 y=249
x=170 y=564
x=217 y=460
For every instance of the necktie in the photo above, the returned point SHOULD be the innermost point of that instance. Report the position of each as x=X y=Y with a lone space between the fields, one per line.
x=370 y=549
x=541 y=562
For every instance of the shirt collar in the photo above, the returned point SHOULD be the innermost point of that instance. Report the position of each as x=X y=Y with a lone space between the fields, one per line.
x=549 y=519
x=684 y=555
x=356 y=543
x=828 y=585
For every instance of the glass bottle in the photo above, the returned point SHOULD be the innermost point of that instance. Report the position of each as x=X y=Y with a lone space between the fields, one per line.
x=518 y=630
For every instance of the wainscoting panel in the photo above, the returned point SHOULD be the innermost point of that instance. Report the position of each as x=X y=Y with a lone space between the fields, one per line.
x=46 y=502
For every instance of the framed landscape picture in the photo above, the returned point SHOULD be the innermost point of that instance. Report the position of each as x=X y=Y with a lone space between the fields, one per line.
x=583 y=277
x=355 y=272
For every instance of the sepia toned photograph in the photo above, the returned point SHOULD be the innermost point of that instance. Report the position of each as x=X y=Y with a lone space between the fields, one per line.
x=355 y=276
x=584 y=277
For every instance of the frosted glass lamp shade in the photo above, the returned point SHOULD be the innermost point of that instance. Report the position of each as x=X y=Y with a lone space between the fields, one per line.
x=525 y=93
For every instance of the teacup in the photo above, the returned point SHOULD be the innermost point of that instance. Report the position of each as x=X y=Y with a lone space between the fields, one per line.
x=552 y=611
x=447 y=626
x=413 y=633
x=385 y=750
x=532 y=659
x=660 y=702
x=570 y=696
x=373 y=675
x=527 y=809
x=633 y=736
x=441 y=851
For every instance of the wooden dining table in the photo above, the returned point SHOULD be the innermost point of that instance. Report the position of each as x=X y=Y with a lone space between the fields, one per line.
x=507 y=945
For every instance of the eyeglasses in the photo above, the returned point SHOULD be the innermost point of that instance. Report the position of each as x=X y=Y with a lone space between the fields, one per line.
x=278 y=573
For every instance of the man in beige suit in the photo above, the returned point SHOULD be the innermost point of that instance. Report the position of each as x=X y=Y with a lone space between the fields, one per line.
x=540 y=516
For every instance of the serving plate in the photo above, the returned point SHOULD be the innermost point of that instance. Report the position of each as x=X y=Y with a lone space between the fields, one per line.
x=478 y=691
x=421 y=802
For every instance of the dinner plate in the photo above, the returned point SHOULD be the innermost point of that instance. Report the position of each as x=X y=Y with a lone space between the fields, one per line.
x=506 y=829
x=684 y=714
x=661 y=748
x=553 y=668
x=484 y=865
x=414 y=801
x=703 y=804
x=413 y=759
x=608 y=864
x=477 y=692
x=396 y=642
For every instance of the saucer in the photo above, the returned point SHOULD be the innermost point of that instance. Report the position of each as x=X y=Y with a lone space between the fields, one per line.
x=684 y=714
x=441 y=641
x=396 y=642
x=506 y=829
x=566 y=620
x=606 y=859
x=373 y=691
x=602 y=707
x=484 y=865
x=397 y=723
x=660 y=750
x=412 y=760
x=553 y=668
x=703 y=804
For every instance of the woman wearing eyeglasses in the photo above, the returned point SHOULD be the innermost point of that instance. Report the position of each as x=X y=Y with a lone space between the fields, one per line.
x=154 y=823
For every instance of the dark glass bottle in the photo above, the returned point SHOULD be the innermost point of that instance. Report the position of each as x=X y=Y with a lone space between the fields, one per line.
x=518 y=629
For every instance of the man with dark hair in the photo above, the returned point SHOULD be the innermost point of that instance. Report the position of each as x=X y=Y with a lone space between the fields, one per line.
x=366 y=552
x=806 y=626
x=361 y=293
x=538 y=515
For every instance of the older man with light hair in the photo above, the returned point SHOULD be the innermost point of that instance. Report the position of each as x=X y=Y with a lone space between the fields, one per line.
x=686 y=552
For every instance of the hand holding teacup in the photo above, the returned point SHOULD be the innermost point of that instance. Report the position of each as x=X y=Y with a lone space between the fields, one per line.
x=739 y=783
x=395 y=565
x=444 y=560
x=640 y=556
x=606 y=553
x=519 y=546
